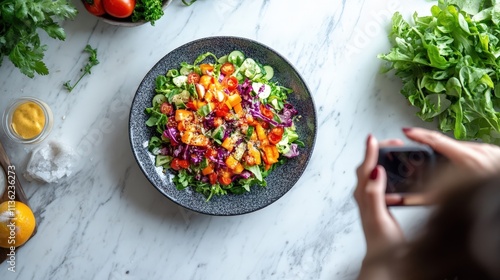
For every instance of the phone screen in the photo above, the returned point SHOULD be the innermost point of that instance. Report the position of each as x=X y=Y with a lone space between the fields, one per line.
x=407 y=168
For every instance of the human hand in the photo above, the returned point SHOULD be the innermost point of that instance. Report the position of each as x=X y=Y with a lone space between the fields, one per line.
x=466 y=161
x=381 y=230
x=478 y=159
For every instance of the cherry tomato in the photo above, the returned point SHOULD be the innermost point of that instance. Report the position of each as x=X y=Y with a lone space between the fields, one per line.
x=227 y=68
x=174 y=164
x=166 y=108
x=211 y=153
x=230 y=82
x=212 y=178
x=191 y=105
x=221 y=110
x=178 y=164
x=94 y=7
x=119 y=8
x=193 y=78
x=223 y=180
x=183 y=163
x=275 y=135
x=266 y=112
x=224 y=177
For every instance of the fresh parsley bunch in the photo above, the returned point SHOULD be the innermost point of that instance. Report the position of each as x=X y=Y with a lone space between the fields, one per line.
x=449 y=63
x=20 y=21
x=148 y=10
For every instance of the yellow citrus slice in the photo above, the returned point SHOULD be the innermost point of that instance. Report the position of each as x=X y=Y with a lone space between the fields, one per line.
x=17 y=223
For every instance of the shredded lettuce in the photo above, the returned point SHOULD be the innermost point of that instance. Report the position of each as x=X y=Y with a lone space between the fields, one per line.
x=171 y=144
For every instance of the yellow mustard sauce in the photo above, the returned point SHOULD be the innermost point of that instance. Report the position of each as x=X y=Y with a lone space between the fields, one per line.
x=28 y=120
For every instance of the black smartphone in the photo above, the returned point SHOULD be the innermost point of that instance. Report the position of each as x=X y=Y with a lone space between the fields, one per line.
x=408 y=167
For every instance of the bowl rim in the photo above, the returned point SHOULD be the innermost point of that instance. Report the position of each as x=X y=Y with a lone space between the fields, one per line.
x=303 y=167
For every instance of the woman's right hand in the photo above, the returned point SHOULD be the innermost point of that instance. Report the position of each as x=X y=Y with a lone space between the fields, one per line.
x=468 y=161
x=471 y=157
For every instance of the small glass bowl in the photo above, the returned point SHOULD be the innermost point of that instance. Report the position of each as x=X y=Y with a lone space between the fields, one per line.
x=7 y=121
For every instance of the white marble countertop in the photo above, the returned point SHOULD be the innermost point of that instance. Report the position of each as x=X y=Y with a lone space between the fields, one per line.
x=108 y=222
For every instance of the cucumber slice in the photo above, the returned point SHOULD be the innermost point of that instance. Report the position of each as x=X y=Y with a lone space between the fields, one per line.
x=222 y=59
x=218 y=133
x=269 y=72
x=181 y=98
x=236 y=57
x=240 y=77
x=161 y=160
x=185 y=71
x=257 y=76
x=159 y=99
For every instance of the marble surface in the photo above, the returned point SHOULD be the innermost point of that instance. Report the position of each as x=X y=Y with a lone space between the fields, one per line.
x=107 y=222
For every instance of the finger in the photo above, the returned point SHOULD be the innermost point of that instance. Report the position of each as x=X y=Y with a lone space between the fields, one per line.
x=394 y=199
x=369 y=162
x=391 y=142
x=448 y=147
x=364 y=169
x=371 y=154
x=374 y=194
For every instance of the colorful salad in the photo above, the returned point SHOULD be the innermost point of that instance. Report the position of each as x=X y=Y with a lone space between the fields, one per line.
x=222 y=127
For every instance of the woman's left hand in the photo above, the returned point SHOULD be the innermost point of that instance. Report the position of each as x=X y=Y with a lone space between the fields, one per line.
x=381 y=230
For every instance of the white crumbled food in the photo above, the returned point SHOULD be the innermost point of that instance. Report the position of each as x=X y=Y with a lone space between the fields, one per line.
x=50 y=163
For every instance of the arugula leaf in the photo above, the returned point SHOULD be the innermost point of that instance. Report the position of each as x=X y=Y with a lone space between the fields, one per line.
x=448 y=65
x=183 y=179
x=154 y=142
x=19 y=39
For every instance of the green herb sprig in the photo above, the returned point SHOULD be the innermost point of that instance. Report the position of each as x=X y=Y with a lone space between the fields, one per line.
x=148 y=10
x=86 y=70
x=20 y=22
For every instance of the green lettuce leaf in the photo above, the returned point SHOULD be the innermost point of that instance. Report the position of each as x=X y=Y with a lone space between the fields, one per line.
x=449 y=65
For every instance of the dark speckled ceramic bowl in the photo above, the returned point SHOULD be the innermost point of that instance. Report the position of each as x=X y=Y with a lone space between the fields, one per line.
x=280 y=181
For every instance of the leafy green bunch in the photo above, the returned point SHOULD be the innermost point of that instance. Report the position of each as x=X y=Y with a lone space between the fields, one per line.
x=449 y=65
x=148 y=10
x=20 y=21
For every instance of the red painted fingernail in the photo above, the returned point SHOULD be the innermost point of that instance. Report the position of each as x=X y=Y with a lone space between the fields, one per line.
x=407 y=129
x=374 y=173
x=369 y=139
